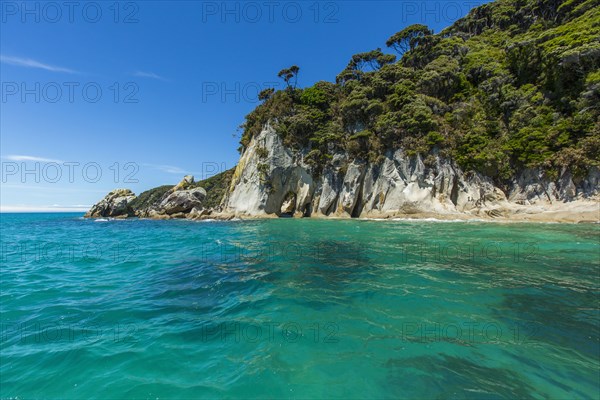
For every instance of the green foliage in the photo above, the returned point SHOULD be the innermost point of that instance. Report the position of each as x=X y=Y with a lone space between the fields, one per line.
x=265 y=94
x=514 y=84
x=442 y=78
x=263 y=173
x=149 y=197
x=262 y=152
x=216 y=186
x=374 y=59
x=321 y=95
x=279 y=104
x=408 y=38
x=357 y=67
x=297 y=128
x=290 y=76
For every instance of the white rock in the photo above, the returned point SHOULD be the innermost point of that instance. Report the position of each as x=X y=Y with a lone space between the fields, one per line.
x=400 y=184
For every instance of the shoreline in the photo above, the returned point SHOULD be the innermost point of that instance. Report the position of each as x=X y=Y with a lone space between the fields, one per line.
x=578 y=212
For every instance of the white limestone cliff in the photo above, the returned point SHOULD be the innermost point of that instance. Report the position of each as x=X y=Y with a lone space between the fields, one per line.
x=270 y=178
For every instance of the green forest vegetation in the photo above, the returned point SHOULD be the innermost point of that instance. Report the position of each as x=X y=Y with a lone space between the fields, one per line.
x=513 y=85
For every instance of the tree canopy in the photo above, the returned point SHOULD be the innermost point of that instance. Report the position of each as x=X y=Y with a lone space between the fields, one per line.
x=408 y=38
x=513 y=85
x=290 y=76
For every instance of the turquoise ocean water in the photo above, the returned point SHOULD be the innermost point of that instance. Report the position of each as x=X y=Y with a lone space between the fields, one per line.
x=294 y=308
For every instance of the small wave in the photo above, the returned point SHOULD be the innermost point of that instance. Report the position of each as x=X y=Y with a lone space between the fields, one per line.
x=431 y=219
x=425 y=219
x=101 y=220
x=438 y=220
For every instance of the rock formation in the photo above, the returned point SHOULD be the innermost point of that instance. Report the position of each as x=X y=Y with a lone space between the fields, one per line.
x=177 y=202
x=115 y=204
x=183 y=200
x=271 y=179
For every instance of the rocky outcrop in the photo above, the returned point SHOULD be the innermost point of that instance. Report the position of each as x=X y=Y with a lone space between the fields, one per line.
x=183 y=200
x=531 y=187
x=270 y=179
x=177 y=202
x=116 y=204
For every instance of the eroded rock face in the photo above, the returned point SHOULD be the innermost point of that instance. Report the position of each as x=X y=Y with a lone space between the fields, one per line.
x=114 y=204
x=329 y=187
x=351 y=188
x=400 y=184
x=289 y=204
x=266 y=173
x=532 y=187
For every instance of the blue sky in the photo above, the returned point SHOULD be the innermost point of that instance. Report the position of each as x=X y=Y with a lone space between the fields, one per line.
x=97 y=96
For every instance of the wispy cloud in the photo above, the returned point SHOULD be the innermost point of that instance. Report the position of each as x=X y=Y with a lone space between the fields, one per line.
x=167 y=168
x=29 y=63
x=32 y=158
x=151 y=75
x=45 y=187
x=52 y=208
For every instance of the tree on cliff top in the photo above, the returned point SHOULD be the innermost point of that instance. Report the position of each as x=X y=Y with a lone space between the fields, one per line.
x=408 y=38
x=287 y=74
x=375 y=59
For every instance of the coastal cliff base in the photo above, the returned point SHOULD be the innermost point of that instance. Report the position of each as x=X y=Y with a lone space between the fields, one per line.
x=272 y=180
